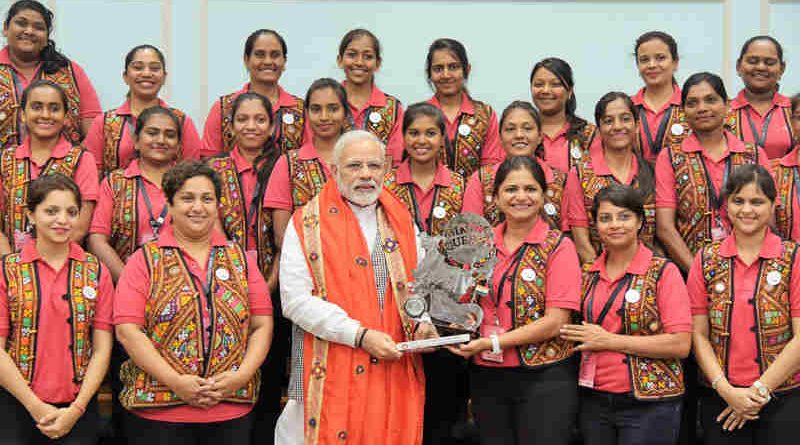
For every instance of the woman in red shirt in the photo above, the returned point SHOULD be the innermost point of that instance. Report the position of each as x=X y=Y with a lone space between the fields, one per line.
x=50 y=370
x=759 y=114
x=565 y=135
x=520 y=359
x=787 y=179
x=745 y=296
x=636 y=326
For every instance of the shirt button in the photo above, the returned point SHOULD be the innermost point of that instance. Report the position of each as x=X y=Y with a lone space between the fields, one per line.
x=373 y=360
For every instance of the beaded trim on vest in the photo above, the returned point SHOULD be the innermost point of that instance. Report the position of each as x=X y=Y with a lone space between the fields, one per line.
x=529 y=302
x=784 y=183
x=113 y=126
x=591 y=184
x=307 y=177
x=383 y=127
x=289 y=135
x=125 y=214
x=693 y=216
x=16 y=178
x=24 y=302
x=174 y=324
x=553 y=195
x=464 y=154
x=312 y=247
x=581 y=143
x=450 y=198
x=772 y=309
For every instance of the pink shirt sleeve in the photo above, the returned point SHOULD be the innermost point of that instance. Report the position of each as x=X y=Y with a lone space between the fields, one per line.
x=190 y=141
x=86 y=177
x=673 y=301
x=794 y=289
x=396 y=145
x=94 y=142
x=563 y=288
x=473 y=196
x=257 y=291
x=101 y=218
x=492 y=152
x=696 y=286
x=105 y=302
x=764 y=161
x=4 y=324
x=90 y=104
x=666 y=194
x=132 y=290
x=212 y=132
x=279 y=188
x=572 y=201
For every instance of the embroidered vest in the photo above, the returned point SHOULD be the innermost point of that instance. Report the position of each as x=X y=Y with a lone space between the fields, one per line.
x=784 y=183
x=174 y=324
x=113 y=126
x=553 y=196
x=693 y=216
x=463 y=156
x=449 y=198
x=579 y=145
x=676 y=116
x=16 y=178
x=125 y=214
x=651 y=379
x=529 y=303
x=24 y=304
x=10 y=123
x=233 y=213
x=381 y=127
x=288 y=135
x=735 y=119
x=592 y=183
x=772 y=307
x=307 y=177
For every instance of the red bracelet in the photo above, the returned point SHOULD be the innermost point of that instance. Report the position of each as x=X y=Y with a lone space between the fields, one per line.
x=77 y=406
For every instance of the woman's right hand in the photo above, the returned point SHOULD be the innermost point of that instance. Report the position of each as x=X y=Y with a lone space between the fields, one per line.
x=189 y=388
x=745 y=402
x=41 y=410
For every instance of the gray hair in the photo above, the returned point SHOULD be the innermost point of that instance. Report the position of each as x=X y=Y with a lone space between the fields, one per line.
x=352 y=137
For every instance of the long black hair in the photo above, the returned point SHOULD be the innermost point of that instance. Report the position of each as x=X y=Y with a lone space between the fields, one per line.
x=561 y=69
x=52 y=59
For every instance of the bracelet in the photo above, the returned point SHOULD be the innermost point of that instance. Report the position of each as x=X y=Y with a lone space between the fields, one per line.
x=716 y=381
x=361 y=337
x=77 y=406
x=495 y=344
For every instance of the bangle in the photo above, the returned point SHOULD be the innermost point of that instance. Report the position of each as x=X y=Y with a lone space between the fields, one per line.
x=716 y=381
x=77 y=406
x=361 y=337
x=495 y=344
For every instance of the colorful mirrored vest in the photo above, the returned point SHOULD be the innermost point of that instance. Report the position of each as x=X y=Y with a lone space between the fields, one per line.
x=693 y=215
x=735 y=119
x=580 y=144
x=381 y=127
x=463 y=155
x=553 y=195
x=174 y=324
x=233 y=213
x=288 y=135
x=449 y=198
x=16 y=178
x=113 y=125
x=307 y=177
x=772 y=306
x=10 y=123
x=651 y=379
x=529 y=302
x=592 y=183
x=784 y=184
x=677 y=116
x=24 y=303
x=125 y=214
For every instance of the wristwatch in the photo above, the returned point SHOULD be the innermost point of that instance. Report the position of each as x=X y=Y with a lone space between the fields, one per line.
x=762 y=389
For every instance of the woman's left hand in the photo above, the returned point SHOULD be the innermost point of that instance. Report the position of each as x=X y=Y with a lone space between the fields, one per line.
x=58 y=424
x=225 y=384
x=592 y=337
x=471 y=348
x=732 y=421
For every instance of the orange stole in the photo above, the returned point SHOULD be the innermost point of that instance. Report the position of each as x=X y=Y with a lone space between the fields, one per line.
x=348 y=396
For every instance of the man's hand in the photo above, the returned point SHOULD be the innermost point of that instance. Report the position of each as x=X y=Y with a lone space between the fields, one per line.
x=380 y=345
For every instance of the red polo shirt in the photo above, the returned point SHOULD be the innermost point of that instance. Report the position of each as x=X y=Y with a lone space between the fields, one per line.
x=779 y=137
x=279 y=188
x=424 y=198
x=491 y=150
x=377 y=99
x=653 y=119
x=248 y=178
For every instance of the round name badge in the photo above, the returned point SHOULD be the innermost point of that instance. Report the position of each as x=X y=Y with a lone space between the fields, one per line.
x=288 y=119
x=528 y=274
x=375 y=117
x=719 y=287
x=89 y=292
x=439 y=212
x=633 y=296
x=222 y=274
x=676 y=129
x=464 y=130
x=3 y=115
x=575 y=152
x=550 y=209
x=488 y=198
x=773 y=278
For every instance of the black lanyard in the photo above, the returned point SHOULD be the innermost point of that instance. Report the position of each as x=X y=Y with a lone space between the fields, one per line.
x=512 y=268
x=714 y=197
x=155 y=223
x=655 y=145
x=417 y=211
x=131 y=126
x=207 y=294
x=278 y=131
x=18 y=90
x=759 y=140
x=624 y=283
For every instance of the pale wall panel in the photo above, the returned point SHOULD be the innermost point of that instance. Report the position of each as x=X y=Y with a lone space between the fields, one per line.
x=784 y=18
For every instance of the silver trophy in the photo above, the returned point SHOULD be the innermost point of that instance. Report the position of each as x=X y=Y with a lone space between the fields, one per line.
x=454 y=274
